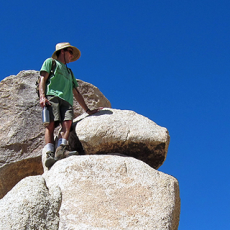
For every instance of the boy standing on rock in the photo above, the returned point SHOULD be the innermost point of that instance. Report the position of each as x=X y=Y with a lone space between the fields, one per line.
x=57 y=94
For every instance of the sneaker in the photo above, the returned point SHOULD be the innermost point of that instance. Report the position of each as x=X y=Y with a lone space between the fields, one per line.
x=62 y=152
x=49 y=159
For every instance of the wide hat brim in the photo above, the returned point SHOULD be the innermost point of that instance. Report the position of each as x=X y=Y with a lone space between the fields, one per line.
x=60 y=46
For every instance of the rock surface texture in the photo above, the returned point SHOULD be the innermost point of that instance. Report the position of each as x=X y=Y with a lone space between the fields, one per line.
x=124 y=132
x=94 y=192
x=22 y=132
x=30 y=205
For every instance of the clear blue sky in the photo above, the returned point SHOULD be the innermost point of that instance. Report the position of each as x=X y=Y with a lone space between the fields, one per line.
x=167 y=60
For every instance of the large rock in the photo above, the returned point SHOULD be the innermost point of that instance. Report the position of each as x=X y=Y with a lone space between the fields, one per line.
x=124 y=132
x=30 y=205
x=97 y=192
x=22 y=133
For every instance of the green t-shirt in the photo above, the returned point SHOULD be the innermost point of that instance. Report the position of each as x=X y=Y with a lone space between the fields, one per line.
x=62 y=83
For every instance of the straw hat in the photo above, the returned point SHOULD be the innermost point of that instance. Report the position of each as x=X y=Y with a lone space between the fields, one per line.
x=62 y=45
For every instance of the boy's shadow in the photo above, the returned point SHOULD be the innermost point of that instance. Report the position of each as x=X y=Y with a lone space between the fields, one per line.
x=74 y=142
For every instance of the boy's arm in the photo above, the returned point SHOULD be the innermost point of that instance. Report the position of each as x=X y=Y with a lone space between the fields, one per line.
x=42 y=88
x=82 y=103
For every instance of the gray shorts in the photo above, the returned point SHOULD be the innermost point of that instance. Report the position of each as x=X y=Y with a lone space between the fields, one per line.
x=60 y=110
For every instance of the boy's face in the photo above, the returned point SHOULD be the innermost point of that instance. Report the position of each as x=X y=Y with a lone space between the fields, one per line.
x=68 y=54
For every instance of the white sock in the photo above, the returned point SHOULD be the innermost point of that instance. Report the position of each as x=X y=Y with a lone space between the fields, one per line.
x=62 y=141
x=49 y=147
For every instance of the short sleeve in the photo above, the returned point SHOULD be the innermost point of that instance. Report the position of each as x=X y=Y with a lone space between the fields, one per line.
x=75 y=82
x=47 y=65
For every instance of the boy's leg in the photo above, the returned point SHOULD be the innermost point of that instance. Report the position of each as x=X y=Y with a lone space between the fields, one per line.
x=49 y=133
x=49 y=141
x=61 y=151
x=66 y=126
